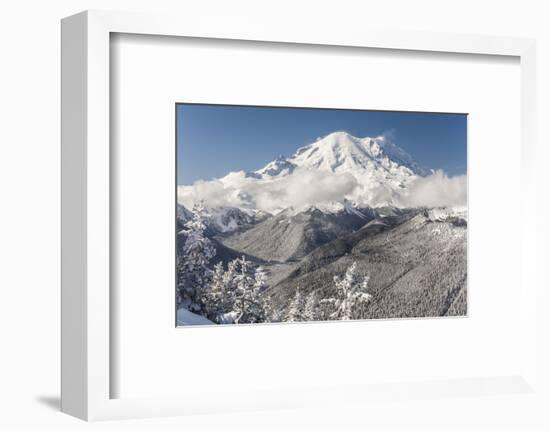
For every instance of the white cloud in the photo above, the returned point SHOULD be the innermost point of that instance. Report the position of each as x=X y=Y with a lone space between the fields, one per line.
x=305 y=188
x=436 y=190
x=301 y=189
x=210 y=193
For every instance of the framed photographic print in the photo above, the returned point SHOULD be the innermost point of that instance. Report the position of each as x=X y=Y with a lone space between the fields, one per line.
x=317 y=203
x=347 y=227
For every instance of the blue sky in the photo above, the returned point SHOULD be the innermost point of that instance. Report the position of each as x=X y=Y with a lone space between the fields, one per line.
x=213 y=140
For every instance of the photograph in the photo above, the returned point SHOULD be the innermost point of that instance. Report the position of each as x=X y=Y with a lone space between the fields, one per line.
x=299 y=214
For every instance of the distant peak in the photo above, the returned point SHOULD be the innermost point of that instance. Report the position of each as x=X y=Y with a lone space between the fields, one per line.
x=340 y=136
x=279 y=166
x=342 y=151
x=340 y=133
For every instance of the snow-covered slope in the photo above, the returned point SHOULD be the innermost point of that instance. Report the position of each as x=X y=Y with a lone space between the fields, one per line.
x=342 y=152
x=185 y=317
x=223 y=219
x=333 y=170
x=278 y=167
x=416 y=260
x=229 y=219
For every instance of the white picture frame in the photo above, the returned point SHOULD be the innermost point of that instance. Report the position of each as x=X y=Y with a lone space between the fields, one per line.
x=86 y=313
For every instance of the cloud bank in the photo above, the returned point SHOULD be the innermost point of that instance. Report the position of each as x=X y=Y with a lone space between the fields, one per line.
x=436 y=190
x=306 y=188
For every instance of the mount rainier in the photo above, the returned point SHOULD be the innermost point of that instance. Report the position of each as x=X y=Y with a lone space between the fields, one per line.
x=368 y=171
x=339 y=172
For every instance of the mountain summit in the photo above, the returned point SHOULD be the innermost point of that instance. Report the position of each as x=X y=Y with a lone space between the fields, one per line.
x=342 y=152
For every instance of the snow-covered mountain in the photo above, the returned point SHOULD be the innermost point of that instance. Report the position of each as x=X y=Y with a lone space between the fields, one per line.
x=330 y=174
x=278 y=167
x=223 y=219
x=342 y=152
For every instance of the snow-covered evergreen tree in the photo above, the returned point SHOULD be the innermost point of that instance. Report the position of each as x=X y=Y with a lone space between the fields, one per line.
x=351 y=296
x=236 y=295
x=214 y=297
x=220 y=296
x=295 y=311
x=264 y=300
x=310 y=308
x=250 y=305
x=192 y=263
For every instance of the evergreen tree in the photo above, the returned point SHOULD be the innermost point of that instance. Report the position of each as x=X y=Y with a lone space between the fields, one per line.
x=250 y=305
x=215 y=297
x=236 y=295
x=351 y=296
x=193 y=274
x=295 y=312
x=310 y=308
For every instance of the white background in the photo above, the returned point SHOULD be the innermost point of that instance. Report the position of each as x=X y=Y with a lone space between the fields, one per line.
x=29 y=135
x=153 y=73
